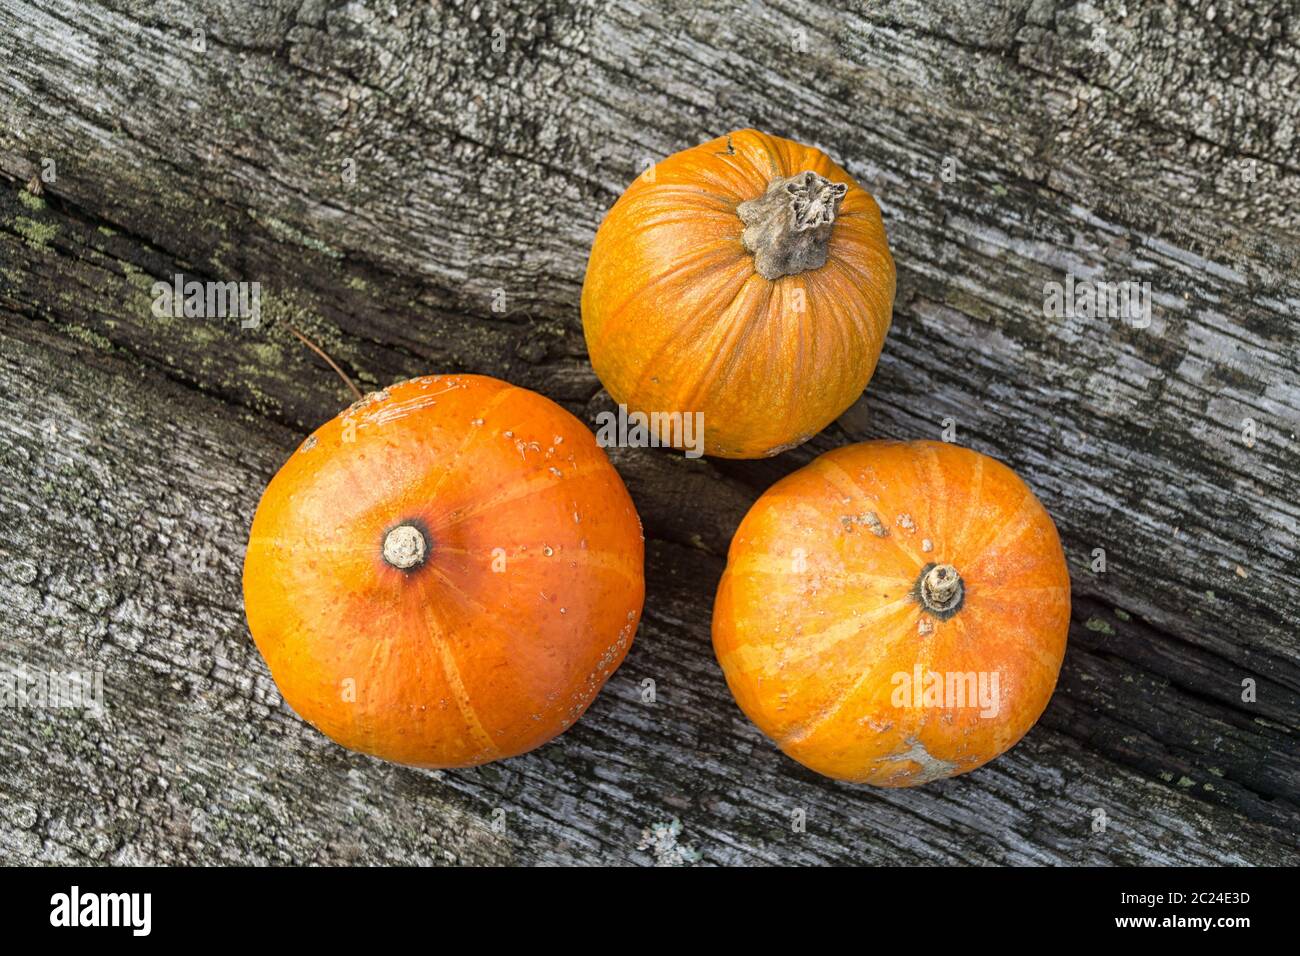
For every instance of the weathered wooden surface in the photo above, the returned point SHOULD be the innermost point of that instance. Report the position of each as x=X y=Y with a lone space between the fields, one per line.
x=1122 y=141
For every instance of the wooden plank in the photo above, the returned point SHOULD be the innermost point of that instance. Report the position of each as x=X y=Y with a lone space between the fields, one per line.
x=1084 y=141
x=197 y=760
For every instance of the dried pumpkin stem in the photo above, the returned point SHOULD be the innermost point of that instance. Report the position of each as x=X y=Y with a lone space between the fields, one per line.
x=940 y=590
x=405 y=546
x=788 y=228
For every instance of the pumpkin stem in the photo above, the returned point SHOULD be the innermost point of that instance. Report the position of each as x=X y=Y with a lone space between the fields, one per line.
x=788 y=228
x=940 y=590
x=404 y=547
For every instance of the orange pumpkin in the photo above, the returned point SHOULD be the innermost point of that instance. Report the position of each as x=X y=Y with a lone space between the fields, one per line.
x=748 y=279
x=894 y=613
x=446 y=573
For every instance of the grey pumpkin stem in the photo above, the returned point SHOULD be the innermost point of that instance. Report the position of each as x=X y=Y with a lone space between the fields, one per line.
x=940 y=590
x=788 y=228
x=405 y=547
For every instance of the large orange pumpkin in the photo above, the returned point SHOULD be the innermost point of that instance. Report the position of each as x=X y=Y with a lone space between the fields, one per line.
x=894 y=613
x=446 y=573
x=748 y=279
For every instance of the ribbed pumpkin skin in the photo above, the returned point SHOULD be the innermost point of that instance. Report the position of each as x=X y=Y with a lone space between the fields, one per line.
x=811 y=641
x=676 y=318
x=451 y=663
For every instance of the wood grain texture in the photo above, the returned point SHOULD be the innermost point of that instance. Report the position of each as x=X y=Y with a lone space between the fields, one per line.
x=1009 y=143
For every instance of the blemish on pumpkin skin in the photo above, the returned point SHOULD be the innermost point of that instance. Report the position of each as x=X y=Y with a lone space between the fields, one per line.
x=932 y=768
x=869 y=519
x=367 y=400
x=773 y=452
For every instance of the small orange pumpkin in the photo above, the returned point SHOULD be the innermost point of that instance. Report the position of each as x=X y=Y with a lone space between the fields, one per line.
x=446 y=573
x=748 y=279
x=894 y=613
